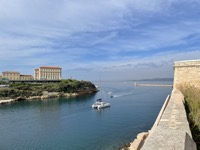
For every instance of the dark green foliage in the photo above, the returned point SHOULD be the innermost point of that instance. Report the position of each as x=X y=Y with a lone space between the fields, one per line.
x=20 y=86
x=66 y=86
x=3 y=82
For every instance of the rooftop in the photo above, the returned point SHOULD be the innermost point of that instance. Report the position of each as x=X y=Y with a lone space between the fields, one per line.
x=55 y=67
x=10 y=72
x=187 y=61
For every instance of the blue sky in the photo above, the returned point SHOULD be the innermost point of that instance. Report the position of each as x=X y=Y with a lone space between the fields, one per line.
x=117 y=39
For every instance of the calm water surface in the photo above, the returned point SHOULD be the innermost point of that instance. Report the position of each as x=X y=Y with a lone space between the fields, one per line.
x=71 y=123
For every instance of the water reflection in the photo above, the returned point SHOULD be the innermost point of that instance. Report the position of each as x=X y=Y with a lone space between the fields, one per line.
x=102 y=111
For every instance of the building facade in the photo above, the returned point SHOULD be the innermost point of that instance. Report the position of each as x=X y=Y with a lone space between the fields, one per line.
x=48 y=73
x=36 y=74
x=26 y=77
x=11 y=75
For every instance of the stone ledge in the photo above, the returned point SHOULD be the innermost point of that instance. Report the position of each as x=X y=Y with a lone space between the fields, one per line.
x=171 y=129
x=139 y=141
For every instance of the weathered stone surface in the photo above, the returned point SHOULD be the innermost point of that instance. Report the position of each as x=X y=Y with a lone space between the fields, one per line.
x=70 y=94
x=136 y=145
x=7 y=101
x=187 y=72
x=142 y=135
x=170 y=133
x=139 y=141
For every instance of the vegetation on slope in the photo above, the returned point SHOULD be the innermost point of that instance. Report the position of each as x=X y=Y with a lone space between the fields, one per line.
x=65 y=86
x=192 y=105
x=3 y=82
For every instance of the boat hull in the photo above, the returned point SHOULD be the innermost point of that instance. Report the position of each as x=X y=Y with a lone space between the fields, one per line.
x=100 y=105
x=103 y=106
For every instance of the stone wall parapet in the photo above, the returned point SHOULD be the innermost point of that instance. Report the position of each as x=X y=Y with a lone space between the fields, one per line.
x=171 y=130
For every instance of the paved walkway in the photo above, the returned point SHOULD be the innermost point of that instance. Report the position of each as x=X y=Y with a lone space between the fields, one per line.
x=172 y=131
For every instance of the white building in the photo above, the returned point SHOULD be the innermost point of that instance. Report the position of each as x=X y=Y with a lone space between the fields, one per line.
x=48 y=73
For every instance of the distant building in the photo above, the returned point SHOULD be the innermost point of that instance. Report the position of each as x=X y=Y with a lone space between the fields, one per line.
x=36 y=74
x=26 y=77
x=11 y=75
x=48 y=73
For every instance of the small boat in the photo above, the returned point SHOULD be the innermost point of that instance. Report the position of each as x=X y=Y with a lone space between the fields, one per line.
x=99 y=104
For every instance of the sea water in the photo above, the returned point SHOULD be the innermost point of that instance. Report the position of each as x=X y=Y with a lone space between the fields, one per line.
x=72 y=124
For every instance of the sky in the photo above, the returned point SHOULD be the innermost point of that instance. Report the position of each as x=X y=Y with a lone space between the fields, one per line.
x=111 y=39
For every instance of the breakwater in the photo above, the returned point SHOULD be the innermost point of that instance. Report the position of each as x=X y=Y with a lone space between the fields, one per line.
x=159 y=85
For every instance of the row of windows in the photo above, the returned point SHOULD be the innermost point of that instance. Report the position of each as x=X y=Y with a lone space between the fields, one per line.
x=21 y=78
x=50 y=70
x=26 y=78
x=50 y=77
x=50 y=74
x=12 y=78
x=10 y=74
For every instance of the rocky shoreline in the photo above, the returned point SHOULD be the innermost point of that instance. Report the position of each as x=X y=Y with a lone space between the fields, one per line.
x=27 y=91
x=45 y=95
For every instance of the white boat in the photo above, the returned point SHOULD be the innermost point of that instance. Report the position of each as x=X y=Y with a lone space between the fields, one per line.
x=99 y=104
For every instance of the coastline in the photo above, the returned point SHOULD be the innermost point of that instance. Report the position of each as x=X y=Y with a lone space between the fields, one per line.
x=27 y=91
x=46 y=95
x=6 y=101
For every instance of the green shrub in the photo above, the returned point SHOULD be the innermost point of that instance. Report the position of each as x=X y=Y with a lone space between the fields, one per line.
x=27 y=90
x=192 y=105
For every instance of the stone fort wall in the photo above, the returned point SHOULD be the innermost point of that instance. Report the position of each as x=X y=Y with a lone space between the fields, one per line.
x=187 y=72
x=171 y=129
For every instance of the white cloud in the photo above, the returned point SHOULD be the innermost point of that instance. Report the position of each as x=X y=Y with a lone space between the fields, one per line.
x=116 y=34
